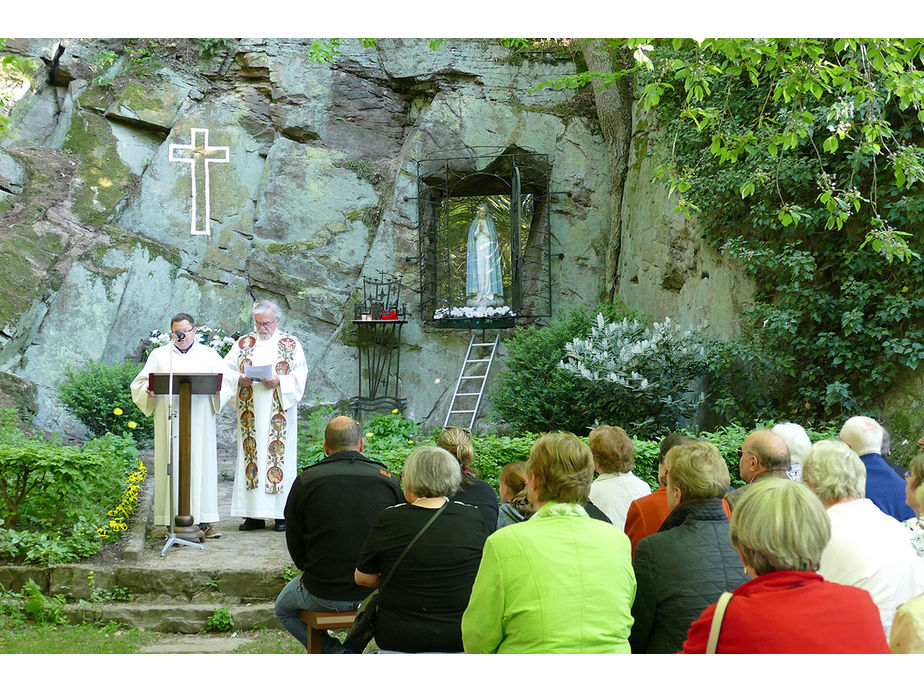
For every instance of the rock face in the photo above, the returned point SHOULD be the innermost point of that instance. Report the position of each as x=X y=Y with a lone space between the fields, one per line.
x=319 y=190
x=665 y=267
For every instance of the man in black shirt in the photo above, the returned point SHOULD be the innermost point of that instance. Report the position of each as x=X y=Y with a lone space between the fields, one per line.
x=329 y=512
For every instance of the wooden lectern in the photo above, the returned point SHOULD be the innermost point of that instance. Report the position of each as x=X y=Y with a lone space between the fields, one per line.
x=185 y=385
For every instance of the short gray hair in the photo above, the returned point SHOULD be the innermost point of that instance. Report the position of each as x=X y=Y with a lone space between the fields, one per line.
x=779 y=524
x=266 y=306
x=431 y=471
x=698 y=470
x=834 y=472
x=796 y=438
x=862 y=434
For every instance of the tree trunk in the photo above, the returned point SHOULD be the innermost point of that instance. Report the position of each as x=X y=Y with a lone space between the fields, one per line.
x=614 y=110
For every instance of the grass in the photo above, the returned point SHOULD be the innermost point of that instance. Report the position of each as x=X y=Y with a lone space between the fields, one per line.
x=113 y=638
x=82 y=639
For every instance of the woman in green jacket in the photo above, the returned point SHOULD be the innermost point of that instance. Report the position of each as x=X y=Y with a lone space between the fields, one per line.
x=561 y=581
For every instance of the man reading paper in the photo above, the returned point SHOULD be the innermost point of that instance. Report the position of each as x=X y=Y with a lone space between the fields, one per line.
x=267 y=418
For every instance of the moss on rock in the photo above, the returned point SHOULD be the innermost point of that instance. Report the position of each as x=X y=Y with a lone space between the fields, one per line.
x=104 y=181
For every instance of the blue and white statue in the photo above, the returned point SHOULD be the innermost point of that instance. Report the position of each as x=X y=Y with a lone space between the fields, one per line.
x=483 y=281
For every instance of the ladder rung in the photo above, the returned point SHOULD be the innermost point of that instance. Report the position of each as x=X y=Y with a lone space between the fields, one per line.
x=477 y=360
x=462 y=411
x=467 y=394
x=474 y=377
x=484 y=344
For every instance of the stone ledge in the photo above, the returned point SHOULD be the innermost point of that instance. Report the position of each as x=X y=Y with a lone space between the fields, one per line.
x=173 y=618
x=73 y=581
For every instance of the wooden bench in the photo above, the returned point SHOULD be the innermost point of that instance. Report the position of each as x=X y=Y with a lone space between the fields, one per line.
x=318 y=621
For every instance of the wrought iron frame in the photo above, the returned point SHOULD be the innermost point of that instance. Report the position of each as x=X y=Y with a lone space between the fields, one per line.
x=478 y=172
x=377 y=324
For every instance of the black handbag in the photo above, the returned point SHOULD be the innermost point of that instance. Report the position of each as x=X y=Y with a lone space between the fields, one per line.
x=363 y=628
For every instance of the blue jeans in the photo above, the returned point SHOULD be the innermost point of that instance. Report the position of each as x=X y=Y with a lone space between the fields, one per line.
x=294 y=598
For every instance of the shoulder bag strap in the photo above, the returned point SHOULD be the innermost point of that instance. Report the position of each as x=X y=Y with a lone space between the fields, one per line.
x=412 y=542
x=717 y=622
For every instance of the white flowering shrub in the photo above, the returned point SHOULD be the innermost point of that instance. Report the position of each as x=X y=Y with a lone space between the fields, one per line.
x=643 y=376
x=215 y=338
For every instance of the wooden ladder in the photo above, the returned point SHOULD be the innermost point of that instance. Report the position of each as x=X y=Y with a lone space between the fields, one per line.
x=471 y=383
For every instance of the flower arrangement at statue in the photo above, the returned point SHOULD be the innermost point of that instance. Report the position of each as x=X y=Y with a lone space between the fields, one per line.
x=473 y=312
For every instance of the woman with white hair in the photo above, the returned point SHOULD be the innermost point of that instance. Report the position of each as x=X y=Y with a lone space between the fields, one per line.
x=421 y=608
x=798 y=442
x=907 y=634
x=914 y=497
x=780 y=529
x=868 y=548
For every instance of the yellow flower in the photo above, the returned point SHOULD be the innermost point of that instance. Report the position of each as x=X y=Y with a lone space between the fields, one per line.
x=394 y=411
x=117 y=411
x=411 y=442
x=370 y=434
x=132 y=424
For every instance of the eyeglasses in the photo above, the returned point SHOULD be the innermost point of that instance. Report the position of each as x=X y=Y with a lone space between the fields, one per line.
x=265 y=324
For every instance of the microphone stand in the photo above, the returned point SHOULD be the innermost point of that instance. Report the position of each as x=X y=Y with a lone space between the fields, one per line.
x=171 y=416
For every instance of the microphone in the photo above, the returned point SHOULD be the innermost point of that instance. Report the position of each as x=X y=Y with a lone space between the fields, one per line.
x=180 y=335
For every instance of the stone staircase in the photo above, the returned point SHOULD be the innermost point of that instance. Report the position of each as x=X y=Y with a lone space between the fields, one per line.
x=241 y=572
x=168 y=600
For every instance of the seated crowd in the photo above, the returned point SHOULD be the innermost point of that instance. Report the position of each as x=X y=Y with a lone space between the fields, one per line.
x=821 y=551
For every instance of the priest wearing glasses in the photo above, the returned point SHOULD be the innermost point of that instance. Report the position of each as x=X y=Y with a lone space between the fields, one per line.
x=185 y=354
x=272 y=371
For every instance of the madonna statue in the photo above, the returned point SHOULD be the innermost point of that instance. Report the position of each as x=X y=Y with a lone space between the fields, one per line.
x=483 y=282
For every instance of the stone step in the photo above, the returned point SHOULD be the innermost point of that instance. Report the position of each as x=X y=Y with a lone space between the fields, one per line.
x=172 y=618
x=78 y=581
x=198 y=644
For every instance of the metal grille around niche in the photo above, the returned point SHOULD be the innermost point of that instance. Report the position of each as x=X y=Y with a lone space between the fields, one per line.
x=514 y=184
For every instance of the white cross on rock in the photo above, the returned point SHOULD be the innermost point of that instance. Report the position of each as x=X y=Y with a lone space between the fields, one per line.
x=199 y=156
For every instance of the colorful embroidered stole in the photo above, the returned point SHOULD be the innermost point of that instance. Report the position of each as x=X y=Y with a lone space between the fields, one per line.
x=276 y=449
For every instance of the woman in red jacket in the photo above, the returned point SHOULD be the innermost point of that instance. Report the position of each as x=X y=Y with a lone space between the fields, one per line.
x=780 y=529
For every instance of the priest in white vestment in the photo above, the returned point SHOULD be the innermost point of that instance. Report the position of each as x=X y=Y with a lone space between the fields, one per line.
x=185 y=355
x=267 y=417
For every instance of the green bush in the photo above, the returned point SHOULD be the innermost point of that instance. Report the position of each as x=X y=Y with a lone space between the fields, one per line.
x=99 y=395
x=220 y=621
x=739 y=386
x=311 y=434
x=532 y=393
x=59 y=501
